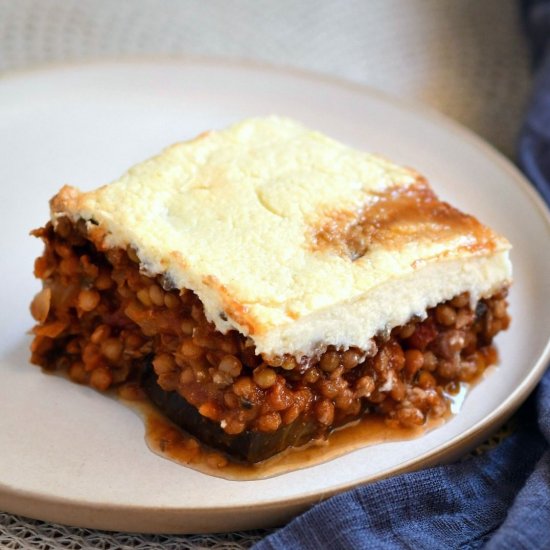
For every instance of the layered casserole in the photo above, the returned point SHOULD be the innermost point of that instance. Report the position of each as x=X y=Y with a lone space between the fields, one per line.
x=265 y=284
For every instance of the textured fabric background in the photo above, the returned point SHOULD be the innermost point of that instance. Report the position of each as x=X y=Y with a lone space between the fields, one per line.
x=465 y=58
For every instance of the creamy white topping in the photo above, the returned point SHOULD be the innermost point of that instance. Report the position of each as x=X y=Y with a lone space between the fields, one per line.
x=233 y=215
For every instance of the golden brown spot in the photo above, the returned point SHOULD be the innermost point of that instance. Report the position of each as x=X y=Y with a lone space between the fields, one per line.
x=234 y=309
x=179 y=259
x=292 y=313
x=97 y=235
x=395 y=217
x=66 y=200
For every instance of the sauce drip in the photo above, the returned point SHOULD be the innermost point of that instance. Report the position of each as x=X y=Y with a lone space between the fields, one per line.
x=170 y=442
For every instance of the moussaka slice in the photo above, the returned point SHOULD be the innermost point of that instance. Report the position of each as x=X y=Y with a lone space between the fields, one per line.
x=265 y=284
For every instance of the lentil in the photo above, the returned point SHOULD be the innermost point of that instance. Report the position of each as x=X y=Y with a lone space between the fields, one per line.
x=190 y=350
x=187 y=326
x=101 y=333
x=291 y=414
x=171 y=301
x=407 y=331
x=78 y=373
x=445 y=315
x=101 y=378
x=325 y=412
x=414 y=361
x=351 y=359
x=231 y=365
x=144 y=297
x=164 y=363
x=156 y=295
x=112 y=349
x=269 y=422
x=40 y=306
x=264 y=377
x=462 y=300
x=410 y=416
x=88 y=300
x=329 y=361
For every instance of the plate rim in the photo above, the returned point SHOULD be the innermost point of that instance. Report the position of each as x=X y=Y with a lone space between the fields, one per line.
x=467 y=438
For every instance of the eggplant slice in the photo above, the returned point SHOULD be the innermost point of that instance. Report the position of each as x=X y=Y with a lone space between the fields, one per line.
x=248 y=447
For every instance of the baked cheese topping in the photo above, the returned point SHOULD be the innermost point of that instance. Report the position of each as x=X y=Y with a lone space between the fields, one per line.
x=292 y=238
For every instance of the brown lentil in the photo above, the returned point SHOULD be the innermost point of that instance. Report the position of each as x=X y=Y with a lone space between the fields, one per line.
x=88 y=299
x=112 y=349
x=210 y=410
x=414 y=361
x=231 y=365
x=144 y=297
x=291 y=414
x=410 y=416
x=264 y=377
x=269 y=422
x=186 y=376
x=365 y=386
x=101 y=378
x=40 y=306
x=398 y=390
x=445 y=315
x=278 y=397
x=462 y=300
x=78 y=373
x=190 y=350
x=171 y=301
x=311 y=375
x=244 y=387
x=426 y=380
x=430 y=361
x=407 y=331
x=187 y=326
x=101 y=333
x=164 y=363
x=329 y=361
x=156 y=295
x=103 y=281
x=234 y=427
x=325 y=412
x=289 y=363
x=351 y=359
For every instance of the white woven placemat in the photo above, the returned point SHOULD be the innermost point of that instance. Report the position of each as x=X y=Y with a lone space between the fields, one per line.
x=465 y=58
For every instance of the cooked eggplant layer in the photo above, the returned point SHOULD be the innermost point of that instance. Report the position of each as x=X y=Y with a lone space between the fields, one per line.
x=249 y=446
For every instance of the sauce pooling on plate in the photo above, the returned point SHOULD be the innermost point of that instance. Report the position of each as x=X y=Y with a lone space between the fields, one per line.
x=170 y=442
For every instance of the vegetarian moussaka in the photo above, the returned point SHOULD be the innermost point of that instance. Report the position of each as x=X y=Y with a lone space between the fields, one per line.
x=265 y=284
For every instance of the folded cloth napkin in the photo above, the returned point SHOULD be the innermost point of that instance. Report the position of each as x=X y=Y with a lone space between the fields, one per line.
x=534 y=143
x=498 y=500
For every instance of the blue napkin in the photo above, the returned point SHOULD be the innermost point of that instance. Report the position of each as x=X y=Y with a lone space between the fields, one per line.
x=498 y=500
x=534 y=142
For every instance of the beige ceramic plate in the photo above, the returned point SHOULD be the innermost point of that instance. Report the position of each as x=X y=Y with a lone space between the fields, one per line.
x=71 y=455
